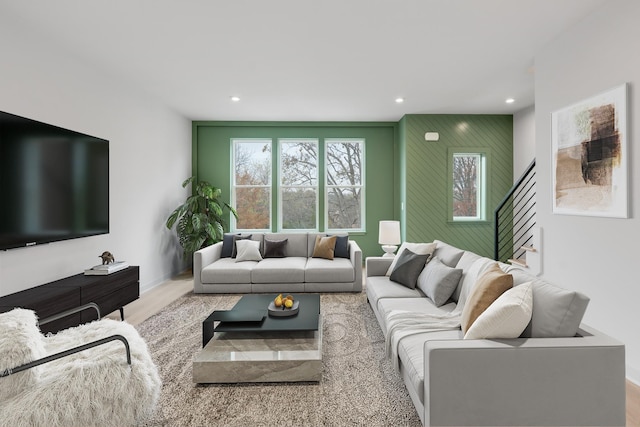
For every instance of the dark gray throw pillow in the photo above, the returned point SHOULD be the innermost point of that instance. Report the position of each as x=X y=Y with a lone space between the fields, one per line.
x=408 y=268
x=275 y=248
x=235 y=239
x=227 y=245
x=342 y=247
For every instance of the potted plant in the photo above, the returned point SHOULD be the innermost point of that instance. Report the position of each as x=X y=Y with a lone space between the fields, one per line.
x=199 y=220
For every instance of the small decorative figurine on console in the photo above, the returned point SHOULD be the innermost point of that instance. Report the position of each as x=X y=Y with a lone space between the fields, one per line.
x=107 y=258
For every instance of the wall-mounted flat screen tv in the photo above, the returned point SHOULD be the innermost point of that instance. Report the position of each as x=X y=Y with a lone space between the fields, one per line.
x=54 y=183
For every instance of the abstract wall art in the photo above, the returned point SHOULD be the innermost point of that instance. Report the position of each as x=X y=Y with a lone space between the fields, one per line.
x=589 y=156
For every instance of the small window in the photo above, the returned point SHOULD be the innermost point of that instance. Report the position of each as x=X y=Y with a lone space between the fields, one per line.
x=468 y=186
x=252 y=183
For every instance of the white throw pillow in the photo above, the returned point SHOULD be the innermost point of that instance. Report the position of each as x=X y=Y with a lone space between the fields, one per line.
x=248 y=250
x=416 y=248
x=506 y=317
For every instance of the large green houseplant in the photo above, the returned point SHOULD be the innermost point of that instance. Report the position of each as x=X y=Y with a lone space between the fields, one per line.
x=199 y=220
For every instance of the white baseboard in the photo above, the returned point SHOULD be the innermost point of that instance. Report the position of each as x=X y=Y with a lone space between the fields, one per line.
x=633 y=375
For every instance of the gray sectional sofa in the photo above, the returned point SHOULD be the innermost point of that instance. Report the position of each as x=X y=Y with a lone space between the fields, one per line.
x=297 y=271
x=559 y=372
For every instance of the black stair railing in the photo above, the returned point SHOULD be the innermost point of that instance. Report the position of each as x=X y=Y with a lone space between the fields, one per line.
x=515 y=216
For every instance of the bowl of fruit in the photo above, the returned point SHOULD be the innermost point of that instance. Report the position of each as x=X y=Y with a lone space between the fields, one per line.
x=283 y=306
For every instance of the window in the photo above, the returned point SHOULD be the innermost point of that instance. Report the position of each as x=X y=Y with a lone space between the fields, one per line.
x=252 y=183
x=344 y=177
x=468 y=184
x=298 y=184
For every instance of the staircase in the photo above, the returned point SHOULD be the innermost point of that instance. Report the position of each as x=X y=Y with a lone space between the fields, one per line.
x=515 y=220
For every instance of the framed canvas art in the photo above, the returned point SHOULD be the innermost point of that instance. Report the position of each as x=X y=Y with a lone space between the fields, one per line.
x=589 y=156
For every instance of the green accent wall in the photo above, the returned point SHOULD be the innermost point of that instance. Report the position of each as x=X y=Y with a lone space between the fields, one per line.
x=211 y=152
x=407 y=178
x=424 y=181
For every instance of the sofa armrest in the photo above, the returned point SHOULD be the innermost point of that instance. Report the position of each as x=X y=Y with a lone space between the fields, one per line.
x=201 y=259
x=377 y=265
x=355 y=255
x=525 y=381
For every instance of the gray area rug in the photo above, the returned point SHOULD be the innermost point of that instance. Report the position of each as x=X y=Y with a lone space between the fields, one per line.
x=358 y=387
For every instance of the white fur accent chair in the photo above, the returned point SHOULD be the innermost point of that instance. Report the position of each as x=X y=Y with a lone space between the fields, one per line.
x=94 y=387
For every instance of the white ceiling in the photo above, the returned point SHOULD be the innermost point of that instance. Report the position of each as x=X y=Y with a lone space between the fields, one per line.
x=310 y=60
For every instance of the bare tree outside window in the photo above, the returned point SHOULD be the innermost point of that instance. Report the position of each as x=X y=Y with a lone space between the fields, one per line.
x=299 y=184
x=467 y=186
x=252 y=183
x=344 y=178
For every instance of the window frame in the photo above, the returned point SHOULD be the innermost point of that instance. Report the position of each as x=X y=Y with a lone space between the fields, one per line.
x=482 y=185
x=362 y=186
x=280 y=186
x=234 y=186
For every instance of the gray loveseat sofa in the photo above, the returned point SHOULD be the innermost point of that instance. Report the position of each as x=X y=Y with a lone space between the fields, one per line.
x=297 y=271
x=557 y=373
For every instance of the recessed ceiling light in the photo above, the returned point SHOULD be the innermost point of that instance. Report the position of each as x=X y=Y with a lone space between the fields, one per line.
x=235 y=98
x=399 y=100
x=510 y=100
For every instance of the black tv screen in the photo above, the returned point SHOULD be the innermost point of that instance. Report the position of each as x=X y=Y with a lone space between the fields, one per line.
x=54 y=183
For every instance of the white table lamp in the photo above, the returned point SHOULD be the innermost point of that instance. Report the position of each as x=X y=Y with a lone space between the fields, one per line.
x=389 y=237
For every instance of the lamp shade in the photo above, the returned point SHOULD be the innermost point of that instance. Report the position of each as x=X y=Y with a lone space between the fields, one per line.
x=389 y=233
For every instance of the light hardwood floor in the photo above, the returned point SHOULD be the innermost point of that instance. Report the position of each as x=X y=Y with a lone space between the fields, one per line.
x=162 y=295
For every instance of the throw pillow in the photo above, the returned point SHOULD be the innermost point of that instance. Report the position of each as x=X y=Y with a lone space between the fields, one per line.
x=324 y=247
x=408 y=268
x=438 y=281
x=275 y=248
x=489 y=286
x=20 y=342
x=416 y=248
x=248 y=250
x=506 y=317
x=227 y=245
x=342 y=247
x=235 y=240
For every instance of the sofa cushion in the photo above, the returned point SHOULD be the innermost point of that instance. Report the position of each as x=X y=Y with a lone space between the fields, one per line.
x=416 y=248
x=411 y=354
x=438 y=281
x=279 y=270
x=449 y=255
x=275 y=248
x=466 y=261
x=20 y=342
x=557 y=312
x=490 y=285
x=321 y=270
x=381 y=287
x=248 y=250
x=227 y=245
x=324 y=247
x=408 y=268
x=296 y=243
x=506 y=317
x=227 y=270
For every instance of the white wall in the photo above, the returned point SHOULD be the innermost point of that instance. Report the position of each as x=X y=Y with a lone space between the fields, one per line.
x=150 y=155
x=524 y=140
x=597 y=256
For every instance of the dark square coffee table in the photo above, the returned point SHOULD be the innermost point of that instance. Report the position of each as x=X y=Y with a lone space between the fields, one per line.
x=274 y=349
x=305 y=320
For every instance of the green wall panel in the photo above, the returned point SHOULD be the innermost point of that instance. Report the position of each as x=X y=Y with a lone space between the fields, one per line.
x=212 y=162
x=424 y=178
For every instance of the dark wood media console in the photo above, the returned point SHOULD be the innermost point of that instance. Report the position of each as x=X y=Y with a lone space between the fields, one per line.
x=110 y=292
